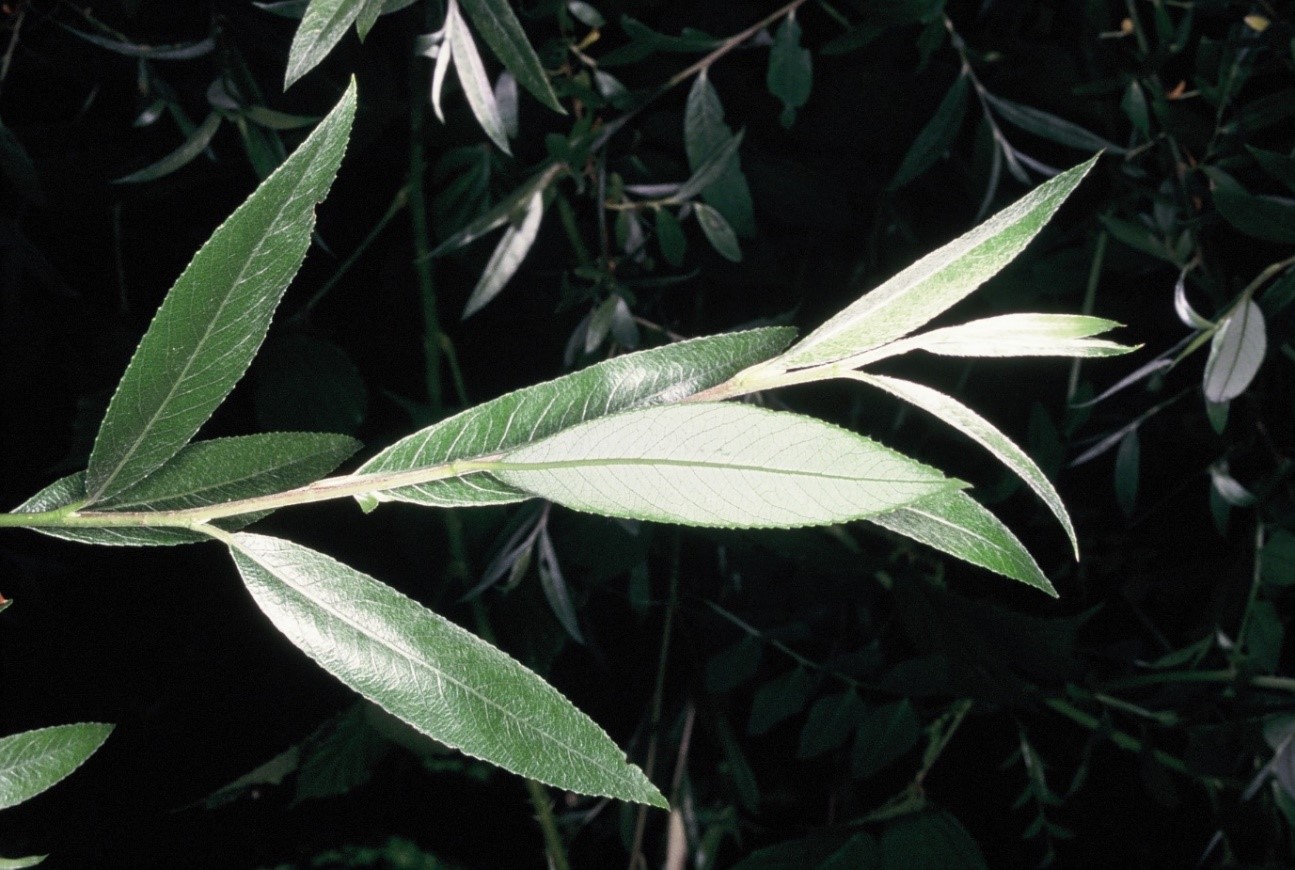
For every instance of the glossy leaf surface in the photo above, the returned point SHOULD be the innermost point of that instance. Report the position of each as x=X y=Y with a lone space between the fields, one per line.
x=937 y=281
x=432 y=674
x=659 y=375
x=33 y=761
x=980 y=430
x=714 y=464
x=216 y=315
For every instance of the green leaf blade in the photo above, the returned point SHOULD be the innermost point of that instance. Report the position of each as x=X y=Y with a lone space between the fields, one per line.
x=936 y=136
x=980 y=430
x=664 y=374
x=33 y=761
x=1021 y=335
x=472 y=77
x=432 y=674
x=956 y=524
x=321 y=28
x=1236 y=353
x=937 y=281
x=705 y=134
x=507 y=256
x=215 y=317
x=499 y=27
x=180 y=157
x=719 y=465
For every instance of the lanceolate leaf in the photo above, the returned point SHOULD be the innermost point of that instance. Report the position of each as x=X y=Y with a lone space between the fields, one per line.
x=473 y=78
x=501 y=30
x=1020 y=335
x=1049 y=126
x=508 y=255
x=718 y=232
x=215 y=317
x=432 y=674
x=33 y=761
x=649 y=377
x=955 y=523
x=71 y=490
x=937 y=281
x=704 y=134
x=710 y=169
x=714 y=464
x=323 y=25
x=1236 y=353
x=977 y=428
x=936 y=136
x=368 y=16
x=182 y=156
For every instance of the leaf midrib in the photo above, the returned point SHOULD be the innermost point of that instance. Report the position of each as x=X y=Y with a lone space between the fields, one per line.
x=689 y=463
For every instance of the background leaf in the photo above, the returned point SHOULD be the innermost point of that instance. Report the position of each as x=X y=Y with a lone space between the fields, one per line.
x=213 y=320
x=194 y=145
x=718 y=232
x=430 y=673
x=935 y=136
x=705 y=133
x=33 y=761
x=1236 y=353
x=508 y=255
x=322 y=26
x=937 y=281
x=1261 y=217
x=501 y=30
x=664 y=374
x=472 y=76
x=715 y=464
x=791 y=71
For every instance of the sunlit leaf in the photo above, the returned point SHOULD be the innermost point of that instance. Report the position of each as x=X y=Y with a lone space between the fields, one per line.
x=1236 y=353
x=957 y=524
x=660 y=375
x=499 y=27
x=936 y=136
x=33 y=761
x=937 y=281
x=980 y=430
x=472 y=76
x=713 y=464
x=508 y=255
x=431 y=674
x=182 y=156
x=215 y=317
x=322 y=26
x=1020 y=335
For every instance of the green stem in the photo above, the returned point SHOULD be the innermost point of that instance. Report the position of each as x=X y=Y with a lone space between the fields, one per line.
x=1090 y=299
x=419 y=225
x=548 y=824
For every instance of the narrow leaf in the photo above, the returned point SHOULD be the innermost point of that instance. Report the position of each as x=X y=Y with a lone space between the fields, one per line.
x=718 y=232
x=1127 y=460
x=1048 y=126
x=501 y=213
x=1236 y=353
x=715 y=165
x=1020 y=335
x=660 y=375
x=980 y=430
x=321 y=28
x=712 y=464
x=508 y=255
x=33 y=761
x=473 y=78
x=71 y=490
x=499 y=27
x=214 y=319
x=957 y=524
x=368 y=16
x=1261 y=217
x=182 y=156
x=443 y=52
x=182 y=51
x=430 y=673
x=937 y=281
x=704 y=134
x=936 y=136
x=669 y=235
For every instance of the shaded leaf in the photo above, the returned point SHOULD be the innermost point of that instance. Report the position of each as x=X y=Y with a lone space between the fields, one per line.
x=780 y=699
x=937 y=281
x=711 y=169
x=1048 y=126
x=731 y=667
x=499 y=27
x=1127 y=460
x=432 y=674
x=830 y=722
x=669 y=235
x=705 y=133
x=1277 y=559
x=718 y=232
x=33 y=761
x=215 y=317
x=957 y=524
x=980 y=430
x=936 y=136
x=307 y=383
x=1236 y=353
x=508 y=255
x=1261 y=217
x=555 y=587
x=885 y=734
x=659 y=375
x=182 y=51
x=368 y=16
x=930 y=840
x=791 y=73
x=182 y=156
x=472 y=76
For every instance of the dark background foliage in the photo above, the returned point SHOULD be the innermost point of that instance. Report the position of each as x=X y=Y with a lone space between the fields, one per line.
x=824 y=690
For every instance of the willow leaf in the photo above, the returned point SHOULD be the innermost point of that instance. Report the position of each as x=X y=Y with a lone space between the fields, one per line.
x=322 y=26
x=33 y=761
x=713 y=464
x=1236 y=353
x=508 y=255
x=649 y=377
x=499 y=27
x=215 y=317
x=937 y=281
x=955 y=523
x=472 y=76
x=980 y=430
x=428 y=672
x=1019 y=335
